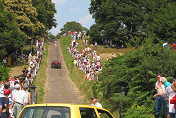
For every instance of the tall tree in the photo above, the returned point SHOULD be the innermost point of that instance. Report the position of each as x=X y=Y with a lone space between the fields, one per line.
x=46 y=10
x=26 y=17
x=160 y=20
x=11 y=37
x=71 y=26
x=127 y=19
x=115 y=15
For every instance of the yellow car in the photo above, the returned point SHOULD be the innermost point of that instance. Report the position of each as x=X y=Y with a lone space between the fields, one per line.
x=63 y=111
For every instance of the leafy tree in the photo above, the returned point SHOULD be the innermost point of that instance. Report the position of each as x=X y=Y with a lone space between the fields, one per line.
x=11 y=37
x=26 y=17
x=95 y=33
x=46 y=10
x=71 y=26
x=51 y=36
x=161 y=22
x=58 y=36
x=136 y=71
x=118 y=19
x=125 y=20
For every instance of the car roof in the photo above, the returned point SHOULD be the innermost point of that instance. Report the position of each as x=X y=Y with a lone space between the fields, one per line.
x=63 y=105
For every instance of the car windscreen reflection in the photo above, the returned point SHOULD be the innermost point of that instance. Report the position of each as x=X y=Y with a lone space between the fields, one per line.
x=45 y=112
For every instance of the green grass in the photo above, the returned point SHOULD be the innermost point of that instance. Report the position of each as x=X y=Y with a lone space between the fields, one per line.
x=41 y=78
x=15 y=70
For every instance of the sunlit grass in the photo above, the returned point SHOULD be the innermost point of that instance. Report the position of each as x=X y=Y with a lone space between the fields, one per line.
x=41 y=78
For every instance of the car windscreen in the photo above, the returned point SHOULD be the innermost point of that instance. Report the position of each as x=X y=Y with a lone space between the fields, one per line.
x=45 y=112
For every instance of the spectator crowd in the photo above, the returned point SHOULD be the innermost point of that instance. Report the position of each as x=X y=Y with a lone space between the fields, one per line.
x=165 y=104
x=15 y=93
x=87 y=60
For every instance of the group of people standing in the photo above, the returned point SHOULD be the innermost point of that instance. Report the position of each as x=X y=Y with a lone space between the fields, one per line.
x=15 y=93
x=165 y=98
x=87 y=60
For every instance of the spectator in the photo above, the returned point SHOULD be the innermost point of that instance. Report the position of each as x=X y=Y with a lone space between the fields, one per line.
x=25 y=86
x=160 y=101
x=20 y=100
x=4 y=62
x=96 y=45
x=5 y=104
x=165 y=82
x=168 y=96
x=95 y=102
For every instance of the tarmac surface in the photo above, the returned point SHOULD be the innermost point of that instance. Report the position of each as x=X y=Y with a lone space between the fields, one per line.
x=59 y=87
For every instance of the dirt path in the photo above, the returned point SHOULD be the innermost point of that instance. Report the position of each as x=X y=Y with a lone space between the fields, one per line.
x=59 y=87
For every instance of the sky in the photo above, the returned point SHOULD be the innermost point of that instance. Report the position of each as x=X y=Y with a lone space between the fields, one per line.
x=72 y=10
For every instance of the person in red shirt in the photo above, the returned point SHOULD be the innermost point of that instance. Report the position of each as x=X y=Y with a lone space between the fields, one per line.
x=173 y=100
x=11 y=81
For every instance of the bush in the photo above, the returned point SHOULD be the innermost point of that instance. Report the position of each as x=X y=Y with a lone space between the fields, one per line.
x=136 y=71
x=3 y=73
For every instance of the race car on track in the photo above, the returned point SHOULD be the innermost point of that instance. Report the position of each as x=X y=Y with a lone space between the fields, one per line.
x=56 y=64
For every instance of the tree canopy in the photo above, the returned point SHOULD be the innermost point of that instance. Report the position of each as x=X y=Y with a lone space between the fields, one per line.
x=122 y=20
x=11 y=37
x=46 y=10
x=72 y=26
x=26 y=17
x=21 y=20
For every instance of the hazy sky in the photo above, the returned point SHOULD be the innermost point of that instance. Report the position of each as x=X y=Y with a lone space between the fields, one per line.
x=72 y=10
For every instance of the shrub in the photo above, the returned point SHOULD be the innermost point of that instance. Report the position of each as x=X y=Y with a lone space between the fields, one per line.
x=3 y=73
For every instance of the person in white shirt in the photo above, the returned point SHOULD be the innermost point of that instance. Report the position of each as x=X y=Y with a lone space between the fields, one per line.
x=20 y=99
x=95 y=102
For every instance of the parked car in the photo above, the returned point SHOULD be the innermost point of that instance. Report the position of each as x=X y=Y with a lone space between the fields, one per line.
x=63 y=111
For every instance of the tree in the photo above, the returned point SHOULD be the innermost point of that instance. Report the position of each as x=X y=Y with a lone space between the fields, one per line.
x=51 y=36
x=119 y=19
x=94 y=32
x=71 y=26
x=161 y=22
x=26 y=17
x=46 y=10
x=11 y=37
x=127 y=19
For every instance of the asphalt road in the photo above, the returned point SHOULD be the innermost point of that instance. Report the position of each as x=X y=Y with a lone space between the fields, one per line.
x=59 y=87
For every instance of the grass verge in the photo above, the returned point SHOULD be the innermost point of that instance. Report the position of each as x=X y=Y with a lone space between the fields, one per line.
x=16 y=69
x=41 y=78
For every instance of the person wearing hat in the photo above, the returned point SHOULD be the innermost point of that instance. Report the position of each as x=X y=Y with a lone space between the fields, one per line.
x=17 y=88
x=95 y=102
x=5 y=104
